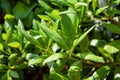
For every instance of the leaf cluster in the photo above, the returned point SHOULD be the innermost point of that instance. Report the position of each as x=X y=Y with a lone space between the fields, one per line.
x=60 y=40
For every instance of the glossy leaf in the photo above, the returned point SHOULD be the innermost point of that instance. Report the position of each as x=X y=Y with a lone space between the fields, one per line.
x=37 y=60
x=68 y=30
x=9 y=22
x=100 y=10
x=90 y=56
x=14 y=45
x=73 y=16
x=113 y=47
x=20 y=24
x=35 y=25
x=97 y=43
x=30 y=56
x=105 y=54
x=54 y=57
x=80 y=4
x=54 y=35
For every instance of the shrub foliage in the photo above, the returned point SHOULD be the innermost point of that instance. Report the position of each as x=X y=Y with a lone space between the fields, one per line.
x=60 y=40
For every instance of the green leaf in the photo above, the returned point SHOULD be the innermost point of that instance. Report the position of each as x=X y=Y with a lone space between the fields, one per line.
x=20 y=24
x=57 y=76
x=44 y=5
x=14 y=45
x=90 y=56
x=1 y=47
x=84 y=44
x=68 y=30
x=54 y=57
x=52 y=17
x=44 y=17
x=29 y=11
x=100 y=74
x=24 y=10
x=100 y=10
x=29 y=37
x=9 y=16
x=19 y=10
x=73 y=16
x=45 y=40
x=60 y=2
x=94 y=5
x=81 y=37
x=74 y=71
x=14 y=74
x=113 y=28
x=113 y=47
x=30 y=56
x=80 y=4
x=37 y=60
x=8 y=75
x=116 y=1
x=97 y=43
x=56 y=14
x=54 y=35
x=8 y=36
x=8 y=23
x=12 y=57
x=72 y=1
x=3 y=67
x=105 y=54
x=58 y=66
x=5 y=5
x=35 y=25
x=23 y=65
